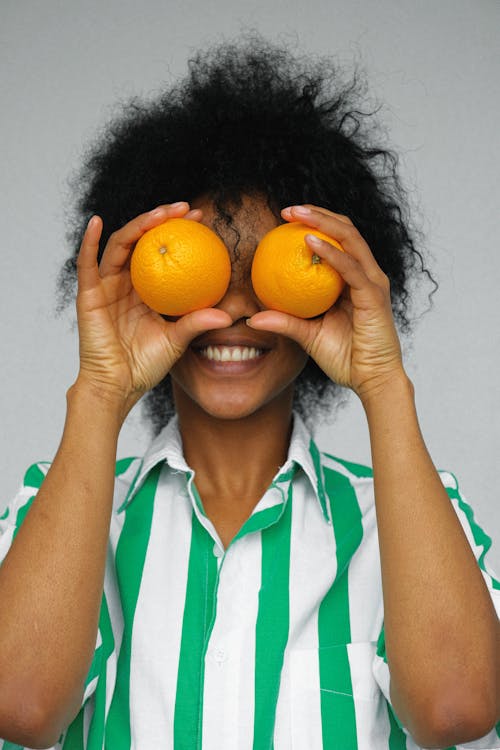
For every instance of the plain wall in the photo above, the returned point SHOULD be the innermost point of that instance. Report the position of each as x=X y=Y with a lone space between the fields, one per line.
x=435 y=65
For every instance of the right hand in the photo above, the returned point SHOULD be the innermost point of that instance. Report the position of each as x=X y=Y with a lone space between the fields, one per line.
x=125 y=347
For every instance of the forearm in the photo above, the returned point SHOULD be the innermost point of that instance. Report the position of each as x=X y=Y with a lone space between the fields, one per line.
x=440 y=625
x=51 y=581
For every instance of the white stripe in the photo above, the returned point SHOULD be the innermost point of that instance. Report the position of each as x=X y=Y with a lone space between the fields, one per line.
x=228 y=702
x=157 y=629
x=116 y=617
x=114 y=606
x=478 y=550
x=123 y=482
x=88 y=712
x=305 y=720
x=8 y=524
x=90 y=688
x=6 y=537
x=364 y=575
x=372 y=722
x=328 y=462
x=312 y=572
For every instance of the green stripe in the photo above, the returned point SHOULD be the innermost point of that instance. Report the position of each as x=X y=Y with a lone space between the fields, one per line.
x=96 y=731
x=272 y=625
x=397 y=738
x=130 y=557
x=381 y=645
x=122 y=465
x=395 y=722
x=34 y=475
x=480 y=537
x=318 y=468
x=21 y=515
x=334 y=623
x=197 y=625
x=196 y=495
x=359 y=470
x=260 y=520
x=338 y=717
x=10 y=746
x=73 y=739
x=334 y=631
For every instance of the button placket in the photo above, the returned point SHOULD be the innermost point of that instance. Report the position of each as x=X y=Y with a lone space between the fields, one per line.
x=219 y=655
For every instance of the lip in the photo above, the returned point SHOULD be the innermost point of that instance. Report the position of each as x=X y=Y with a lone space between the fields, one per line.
x=242 y=367
x=225 y=338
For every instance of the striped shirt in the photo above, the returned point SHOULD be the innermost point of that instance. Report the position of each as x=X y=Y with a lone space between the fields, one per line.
x=275 y=643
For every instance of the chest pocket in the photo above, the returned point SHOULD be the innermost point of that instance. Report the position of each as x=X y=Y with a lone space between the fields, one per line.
x=336 y=703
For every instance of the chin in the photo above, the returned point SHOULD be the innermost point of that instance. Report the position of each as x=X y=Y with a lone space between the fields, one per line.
x=229 y=409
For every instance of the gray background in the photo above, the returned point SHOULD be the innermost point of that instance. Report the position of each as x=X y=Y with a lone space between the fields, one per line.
x=434 y=64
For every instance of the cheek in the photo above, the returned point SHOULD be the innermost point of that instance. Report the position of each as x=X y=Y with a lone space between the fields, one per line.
x=295 y=357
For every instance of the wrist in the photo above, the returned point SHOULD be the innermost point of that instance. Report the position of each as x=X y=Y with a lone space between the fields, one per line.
x=107 y=402
x=387 y=393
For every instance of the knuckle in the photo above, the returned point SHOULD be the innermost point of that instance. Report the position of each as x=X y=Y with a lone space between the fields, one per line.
x=384 y=282
x=352 y=232
x=114 y=237
x=345 y=219
x=379 y=294
x=350 y=263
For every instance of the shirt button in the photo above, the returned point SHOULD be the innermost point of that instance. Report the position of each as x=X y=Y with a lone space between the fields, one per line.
x=220 y=655
x=217 y=550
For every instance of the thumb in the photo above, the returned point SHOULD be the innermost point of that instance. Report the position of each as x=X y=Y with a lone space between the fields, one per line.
x=300 y=330
x=188 y=326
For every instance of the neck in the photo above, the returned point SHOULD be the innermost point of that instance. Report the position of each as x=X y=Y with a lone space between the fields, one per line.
x=235 y=458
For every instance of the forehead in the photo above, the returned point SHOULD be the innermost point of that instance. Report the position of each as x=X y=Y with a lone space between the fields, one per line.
x=240 y=227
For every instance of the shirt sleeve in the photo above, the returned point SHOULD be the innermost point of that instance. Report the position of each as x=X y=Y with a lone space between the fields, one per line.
x=10 y=522
x=480 y=543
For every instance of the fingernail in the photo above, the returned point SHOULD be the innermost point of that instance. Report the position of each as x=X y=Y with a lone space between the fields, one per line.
x=178 y=204
x=313 y=239
x=301 y=210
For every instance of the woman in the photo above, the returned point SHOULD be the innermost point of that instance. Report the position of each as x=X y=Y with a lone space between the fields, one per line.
x=234 y=587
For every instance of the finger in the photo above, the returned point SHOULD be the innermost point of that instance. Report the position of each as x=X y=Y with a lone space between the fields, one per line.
x=86 y=262
x=187 y=327
x=122 y=241
x=195 y=214
x=290 y=216
x=348 y=267
x=346 y=234
x=300 y=330
x=364 y=293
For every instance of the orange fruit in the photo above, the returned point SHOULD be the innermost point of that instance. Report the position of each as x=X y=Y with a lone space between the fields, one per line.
x=288 y=276
x=180 y=266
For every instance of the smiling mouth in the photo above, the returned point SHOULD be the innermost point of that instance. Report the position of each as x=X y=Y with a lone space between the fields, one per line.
x=231 y=353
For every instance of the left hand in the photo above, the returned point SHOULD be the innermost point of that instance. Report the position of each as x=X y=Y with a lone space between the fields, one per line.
x=355 y=342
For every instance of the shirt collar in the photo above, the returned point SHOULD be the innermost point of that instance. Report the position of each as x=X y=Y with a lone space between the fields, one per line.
x=302 y=452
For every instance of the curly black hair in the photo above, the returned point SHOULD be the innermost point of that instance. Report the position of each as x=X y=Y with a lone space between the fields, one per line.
x=251 y=118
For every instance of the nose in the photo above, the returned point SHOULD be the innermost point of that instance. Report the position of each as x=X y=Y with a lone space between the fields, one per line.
x=239 y=301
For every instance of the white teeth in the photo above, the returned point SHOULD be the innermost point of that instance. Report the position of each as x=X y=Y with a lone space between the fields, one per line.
x=231 y=353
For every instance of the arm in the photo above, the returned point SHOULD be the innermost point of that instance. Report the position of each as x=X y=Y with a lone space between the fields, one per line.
x=440 y=624
x=442 y=633
x=51 y=580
